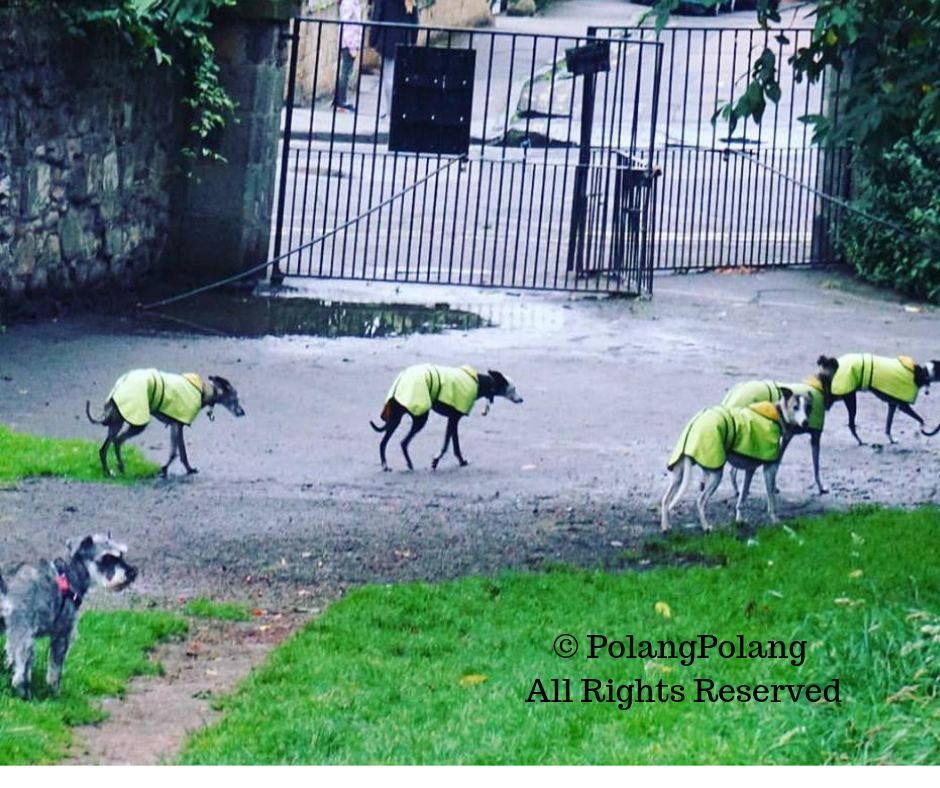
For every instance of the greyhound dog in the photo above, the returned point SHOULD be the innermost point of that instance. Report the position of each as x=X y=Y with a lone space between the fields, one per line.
x=173 y=399
x=818 y=387
x=747 y=438
x=44 y=599
x=449 y=391
x=896 y=381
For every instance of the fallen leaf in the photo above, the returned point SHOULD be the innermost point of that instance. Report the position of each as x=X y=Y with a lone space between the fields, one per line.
x=855 y=574
x=663 y=609
x=906 y=693
x=473 y=678
x=783 y=740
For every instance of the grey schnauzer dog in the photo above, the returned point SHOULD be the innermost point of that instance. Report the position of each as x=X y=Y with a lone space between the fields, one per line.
x=44 y=599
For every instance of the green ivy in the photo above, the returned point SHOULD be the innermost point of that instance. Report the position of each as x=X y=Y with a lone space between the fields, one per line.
x=171 y=33
x=904 y=187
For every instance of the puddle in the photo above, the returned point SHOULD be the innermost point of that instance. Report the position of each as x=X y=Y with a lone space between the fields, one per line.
x=242 y=315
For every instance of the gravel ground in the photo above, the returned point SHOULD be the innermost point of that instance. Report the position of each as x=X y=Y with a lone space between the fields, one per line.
x=291 y=507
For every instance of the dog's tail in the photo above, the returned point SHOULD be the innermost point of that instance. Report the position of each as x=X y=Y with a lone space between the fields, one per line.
x=91 y=418
x=934 y=431
x=384 y=416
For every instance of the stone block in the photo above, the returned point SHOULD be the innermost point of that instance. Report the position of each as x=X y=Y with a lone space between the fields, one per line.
x=38 y=179
x=24 y=255
x=110 y=174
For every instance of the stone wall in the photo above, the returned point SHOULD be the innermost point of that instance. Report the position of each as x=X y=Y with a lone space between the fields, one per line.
x=322 y=40
x=89 y=145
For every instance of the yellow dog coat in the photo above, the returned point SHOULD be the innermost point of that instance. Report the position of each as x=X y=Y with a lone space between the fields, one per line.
x=744 y=394
x=418 y=387
x=863 y=371
x=140 y=392
x=708 y=437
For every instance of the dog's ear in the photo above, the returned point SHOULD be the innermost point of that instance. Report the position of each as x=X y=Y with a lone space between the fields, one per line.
x=498 y=378
x=785 y=392
x=828 y=364
x=922 y=376
x=220 y=382
x=935 y=369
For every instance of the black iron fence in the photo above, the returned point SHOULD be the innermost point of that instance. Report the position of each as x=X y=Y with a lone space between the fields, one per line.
x=552 y=189
x=755 y=197
x=555 y=187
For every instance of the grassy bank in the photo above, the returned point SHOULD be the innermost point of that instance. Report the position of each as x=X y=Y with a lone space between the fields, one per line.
x=23 y=456
x=112 y=648
x=440 y=674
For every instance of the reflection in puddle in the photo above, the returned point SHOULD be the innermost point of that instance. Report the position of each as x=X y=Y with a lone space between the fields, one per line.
x=237 y=314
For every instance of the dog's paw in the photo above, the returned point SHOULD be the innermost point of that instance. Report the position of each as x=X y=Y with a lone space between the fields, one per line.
x=191 y=471
x=163 y=472
x=464 y=463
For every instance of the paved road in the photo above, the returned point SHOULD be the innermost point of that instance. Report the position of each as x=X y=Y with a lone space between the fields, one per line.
x=292 y=496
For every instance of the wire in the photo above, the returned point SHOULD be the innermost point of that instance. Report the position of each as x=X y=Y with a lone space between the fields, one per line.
x=319 y=239
x=898 y=228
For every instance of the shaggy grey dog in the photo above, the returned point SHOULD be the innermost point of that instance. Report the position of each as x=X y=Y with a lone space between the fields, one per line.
x=44 y=599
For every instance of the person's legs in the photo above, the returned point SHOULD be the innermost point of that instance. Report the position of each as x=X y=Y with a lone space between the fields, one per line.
x=388 y=75
x=345 y=69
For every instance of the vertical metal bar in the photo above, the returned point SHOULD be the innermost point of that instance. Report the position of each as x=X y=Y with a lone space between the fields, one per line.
x=579 y=198
x=548 y=135
x=502 y=162
x=276 y=276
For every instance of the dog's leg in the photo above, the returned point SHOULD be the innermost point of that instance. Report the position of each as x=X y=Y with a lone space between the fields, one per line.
x=130 y=432
x=183 y=458
x=742 y=497
x=815 y=439
x=394 y=419
x=850 y=407
x=733 y=475
x=908 y=410
x=417 y=424
x=23 y=653
x=58 y=648
x=678 y=477
x=174 y=449
x=770 y=483
x=447 y=433
x=712 y=480
x=892 y=407
x=457 y=454
x=113 y=429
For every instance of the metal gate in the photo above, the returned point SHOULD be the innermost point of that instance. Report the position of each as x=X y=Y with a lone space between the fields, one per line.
x=526 y=164
x=757 y=198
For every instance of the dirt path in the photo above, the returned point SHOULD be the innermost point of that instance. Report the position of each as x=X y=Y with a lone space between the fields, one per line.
x=291 y=506
x=151 y=724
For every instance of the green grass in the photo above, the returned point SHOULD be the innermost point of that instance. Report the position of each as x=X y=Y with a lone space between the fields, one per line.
x=23 y=456
x=200 y=607
x=112 y=648
x=440 y=674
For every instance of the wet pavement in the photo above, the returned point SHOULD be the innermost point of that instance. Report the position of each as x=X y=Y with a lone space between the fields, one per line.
x=291 y=504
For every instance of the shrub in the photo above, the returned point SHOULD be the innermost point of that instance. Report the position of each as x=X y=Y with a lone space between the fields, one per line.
x=902 y=186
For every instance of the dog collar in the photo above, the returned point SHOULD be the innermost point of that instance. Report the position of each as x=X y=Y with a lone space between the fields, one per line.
x=65 y=589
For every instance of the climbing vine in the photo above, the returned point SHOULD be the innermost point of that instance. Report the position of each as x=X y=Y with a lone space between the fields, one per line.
x=170 y=33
